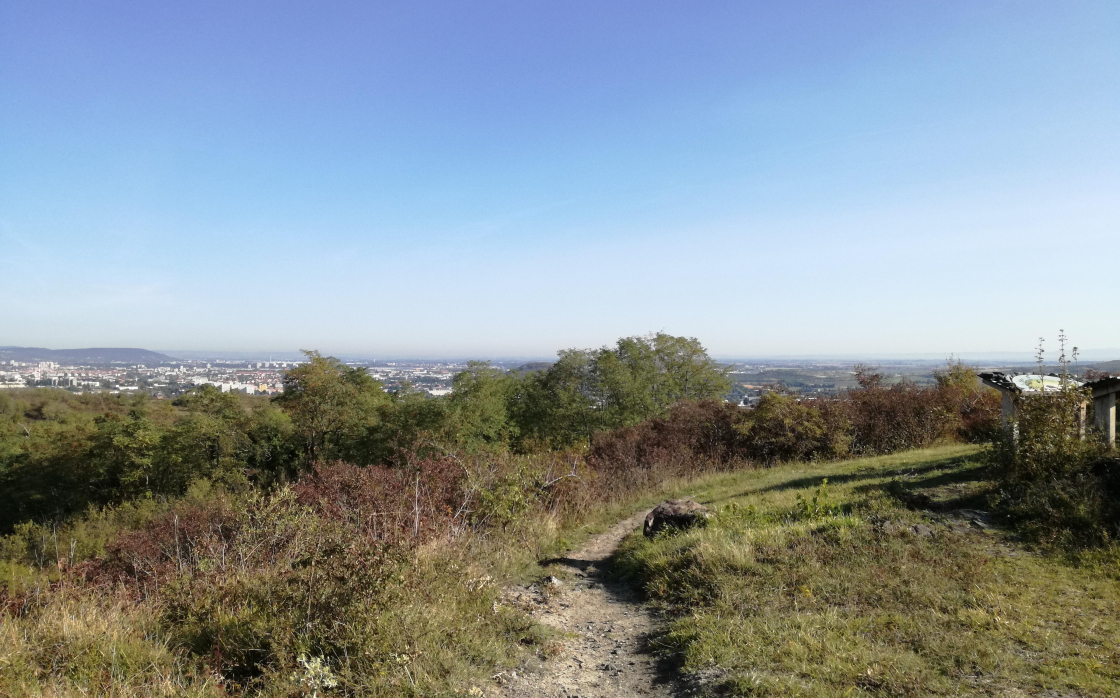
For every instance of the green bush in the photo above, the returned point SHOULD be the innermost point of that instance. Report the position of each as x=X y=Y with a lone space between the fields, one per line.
x=1054 y=480
x=782 y=428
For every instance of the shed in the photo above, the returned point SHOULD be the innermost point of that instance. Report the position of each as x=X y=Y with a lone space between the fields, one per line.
x=1012 y=385
x=1104 y=405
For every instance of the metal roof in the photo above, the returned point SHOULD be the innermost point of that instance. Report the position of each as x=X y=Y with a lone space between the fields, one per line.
x=1027 y=383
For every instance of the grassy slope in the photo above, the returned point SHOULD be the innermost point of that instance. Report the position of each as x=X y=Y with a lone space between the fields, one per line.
x=842 y=597
x=809 y=604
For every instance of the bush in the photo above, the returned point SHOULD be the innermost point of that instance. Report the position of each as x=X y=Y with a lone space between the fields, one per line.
x=892 y=418
x=976 y=407
x=388 y=504
x=1057 y=485
x=782 y=428
x=690 y=434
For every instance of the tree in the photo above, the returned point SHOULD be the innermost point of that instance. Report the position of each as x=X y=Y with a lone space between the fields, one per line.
x=409 y=427
x=590 y=390
x=212 y=402
x=330 y=404
x=686 y=371
x=559 y=407
x=479 y=406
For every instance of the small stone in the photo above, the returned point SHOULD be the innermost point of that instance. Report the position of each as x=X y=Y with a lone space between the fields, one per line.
x=923 y=530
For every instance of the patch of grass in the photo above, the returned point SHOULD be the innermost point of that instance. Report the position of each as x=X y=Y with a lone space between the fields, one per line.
x=79 y=645
x=875 y=585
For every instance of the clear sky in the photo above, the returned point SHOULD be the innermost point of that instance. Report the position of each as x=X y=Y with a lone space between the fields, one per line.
x=496 y=179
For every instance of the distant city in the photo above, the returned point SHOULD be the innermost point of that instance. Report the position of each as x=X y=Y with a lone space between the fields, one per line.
x=162 y=376
x=172 y=378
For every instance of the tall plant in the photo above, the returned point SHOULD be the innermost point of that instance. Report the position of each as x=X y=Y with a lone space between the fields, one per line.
x=1046 y=463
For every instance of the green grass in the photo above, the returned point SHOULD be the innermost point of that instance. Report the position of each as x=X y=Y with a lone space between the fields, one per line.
x=792 y=589
x=795 y=590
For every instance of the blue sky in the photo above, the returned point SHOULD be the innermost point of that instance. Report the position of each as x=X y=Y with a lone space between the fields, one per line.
x=498 y=179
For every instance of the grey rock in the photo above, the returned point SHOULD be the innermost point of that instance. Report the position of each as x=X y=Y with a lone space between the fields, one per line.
x=923 y=530
x=675 y=513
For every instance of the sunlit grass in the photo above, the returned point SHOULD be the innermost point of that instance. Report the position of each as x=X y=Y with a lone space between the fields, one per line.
x=857 y=601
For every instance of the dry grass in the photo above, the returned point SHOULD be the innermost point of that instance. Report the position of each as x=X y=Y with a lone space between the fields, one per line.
x=81 y=645
x=780 y=595
x=819 y=596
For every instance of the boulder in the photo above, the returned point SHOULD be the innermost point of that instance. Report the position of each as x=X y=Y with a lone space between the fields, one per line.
x=675 y=513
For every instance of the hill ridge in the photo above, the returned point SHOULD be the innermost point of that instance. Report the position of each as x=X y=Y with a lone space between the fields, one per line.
x=94 y=355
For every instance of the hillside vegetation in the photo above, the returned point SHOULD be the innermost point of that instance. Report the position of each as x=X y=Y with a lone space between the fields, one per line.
x=881 y=576
x=344 y=540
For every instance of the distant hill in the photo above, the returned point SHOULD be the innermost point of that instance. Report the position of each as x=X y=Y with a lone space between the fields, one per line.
x=102 y=355
x=1110 y=366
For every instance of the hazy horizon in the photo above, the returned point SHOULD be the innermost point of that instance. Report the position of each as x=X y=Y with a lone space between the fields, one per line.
x=775 y=179
x=1085 y=356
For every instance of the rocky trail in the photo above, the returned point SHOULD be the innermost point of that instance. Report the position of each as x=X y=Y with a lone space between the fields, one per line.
x=604 y=627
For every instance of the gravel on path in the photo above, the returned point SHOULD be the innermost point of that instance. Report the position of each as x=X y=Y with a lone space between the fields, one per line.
x=605 y=628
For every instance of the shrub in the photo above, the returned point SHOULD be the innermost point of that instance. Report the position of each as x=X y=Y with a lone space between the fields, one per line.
x=892 y=418
x=976 y=407
x=691 y=431
x=1055 y=483
x=782 y=428
x=388 y=504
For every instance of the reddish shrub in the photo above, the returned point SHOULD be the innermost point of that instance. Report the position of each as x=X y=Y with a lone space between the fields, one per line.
x=690 y=434
x=978 y=411
x=893 y=418
x=390 y=504
x=691 y=438
x=175 y=541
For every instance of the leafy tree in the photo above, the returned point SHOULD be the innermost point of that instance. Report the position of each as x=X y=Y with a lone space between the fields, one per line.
x=272 y=451
x=212 y=402
x=587 y=391
x=410 y=426
x=561 y=406
x=330 y=404
x=123 y=455
x=479 y=406
x=686 y=371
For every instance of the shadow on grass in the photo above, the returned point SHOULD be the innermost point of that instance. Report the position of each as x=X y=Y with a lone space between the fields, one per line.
x=892 y=471
x=965 y=487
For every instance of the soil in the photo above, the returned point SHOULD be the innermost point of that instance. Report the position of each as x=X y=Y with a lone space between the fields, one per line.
x=604 y=629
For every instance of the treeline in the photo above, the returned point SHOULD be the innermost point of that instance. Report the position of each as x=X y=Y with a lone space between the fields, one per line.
x=230 y=544
x=61 y=453
x=877 y=418
x=632 y=404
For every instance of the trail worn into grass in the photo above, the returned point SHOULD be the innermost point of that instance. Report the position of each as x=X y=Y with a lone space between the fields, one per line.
x=604 y=627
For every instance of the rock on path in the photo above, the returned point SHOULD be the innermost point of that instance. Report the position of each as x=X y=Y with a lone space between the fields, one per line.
x=605 y=627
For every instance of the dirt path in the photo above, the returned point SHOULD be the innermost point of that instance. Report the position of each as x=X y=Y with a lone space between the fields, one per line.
x=605 y=627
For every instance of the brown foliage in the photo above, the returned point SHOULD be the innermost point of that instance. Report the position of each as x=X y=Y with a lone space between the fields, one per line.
x=892 y=418
x=389 y=504
x=168 y=545
x=690 y=435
